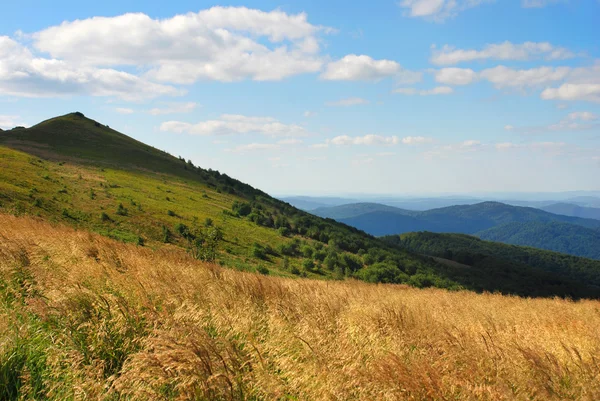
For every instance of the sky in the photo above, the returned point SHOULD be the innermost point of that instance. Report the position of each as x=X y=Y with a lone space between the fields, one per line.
x=406 y=97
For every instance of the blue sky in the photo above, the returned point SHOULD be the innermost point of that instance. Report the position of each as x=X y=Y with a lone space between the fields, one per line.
x=381 y=97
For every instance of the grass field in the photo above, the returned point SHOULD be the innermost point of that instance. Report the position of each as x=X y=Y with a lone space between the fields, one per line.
x=86 y=317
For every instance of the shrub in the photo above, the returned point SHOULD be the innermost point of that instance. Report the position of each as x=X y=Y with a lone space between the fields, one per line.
x=122 y=210
x=262 y=270
x=308 y=264
x=171 y=213
x=208 y=222
x=166 y=234
x=284 y=231
x=104 y=217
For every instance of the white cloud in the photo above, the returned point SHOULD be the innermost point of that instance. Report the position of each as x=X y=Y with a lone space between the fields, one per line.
x=455 y=76
x=220 y=43
x=509 y=128
x=174 y=108
x=123 y=110
x=589 y=92
x=364 y=140
x=7 y=122
x=582 y=115
x=229 y=124
x=309 y=114
x=320 y=145
x=351 y=101
x=416 y=140
x=360 y=68
x=575 y=121
x=438 y=10
x=23 y=74
x=438 y=90
x=253 y=147
x=449 y=55
x=503 y=77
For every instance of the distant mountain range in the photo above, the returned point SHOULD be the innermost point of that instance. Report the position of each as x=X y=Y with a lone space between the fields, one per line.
x=310 y=203
x=489 y=220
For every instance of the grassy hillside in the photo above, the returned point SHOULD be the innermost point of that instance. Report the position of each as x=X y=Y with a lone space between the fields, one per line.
x=570 y=209
x=86 y=317
x=74 y=170
x=501 y=261
x=555 y=236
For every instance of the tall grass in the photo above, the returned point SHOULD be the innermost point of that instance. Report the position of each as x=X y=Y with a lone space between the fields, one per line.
x=86 y=317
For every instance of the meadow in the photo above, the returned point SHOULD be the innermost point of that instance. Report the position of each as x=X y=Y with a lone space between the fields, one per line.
x=83 y=316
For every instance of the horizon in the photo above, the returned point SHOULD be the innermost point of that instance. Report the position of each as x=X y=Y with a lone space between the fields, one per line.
x=419 y=97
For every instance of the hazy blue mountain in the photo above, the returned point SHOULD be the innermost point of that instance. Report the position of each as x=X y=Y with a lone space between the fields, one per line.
x=310 y=203
x=493 y=220
x=357 y=209
x=570 y=209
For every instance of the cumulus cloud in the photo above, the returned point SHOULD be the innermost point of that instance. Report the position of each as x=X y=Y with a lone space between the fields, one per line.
x=174 y=108
x=502 y=76
x=351 y=101
x=360 y=68
x=438 y=10
x=438 y=90
x=220 y=43
x=455 y=76
x=23 y=74
x=229 y=124
x=449 y=55
x=568 y=91
x=575 y=121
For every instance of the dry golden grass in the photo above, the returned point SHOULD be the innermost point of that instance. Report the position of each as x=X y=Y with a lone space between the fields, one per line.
x=118 y=321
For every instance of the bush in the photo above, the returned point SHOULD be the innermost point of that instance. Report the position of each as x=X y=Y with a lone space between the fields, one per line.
x=122 y=210
x=284 y=231
x=262 y=270
x=308 y=265
x=171 y=213
x=208 y=222
x=104 y=217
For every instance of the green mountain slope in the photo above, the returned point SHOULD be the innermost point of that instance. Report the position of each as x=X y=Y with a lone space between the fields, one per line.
x=73 y=170
x=555 y=236
x=514 y=265
x=570 y=209
x=77 y=171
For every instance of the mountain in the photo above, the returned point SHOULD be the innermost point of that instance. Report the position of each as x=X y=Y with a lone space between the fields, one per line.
x=469 y=219
x=310 y=203
x=356 y=209
x=570 y=209
x=501 y=261
x=492 y=220
x=76 y=171
x=554 y=235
